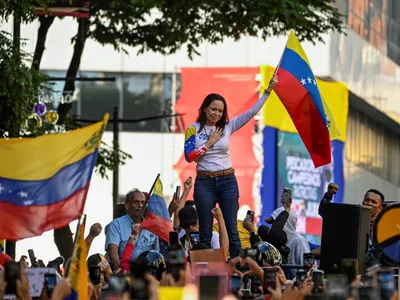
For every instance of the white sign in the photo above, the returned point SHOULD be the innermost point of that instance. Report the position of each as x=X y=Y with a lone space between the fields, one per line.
x=36 y=280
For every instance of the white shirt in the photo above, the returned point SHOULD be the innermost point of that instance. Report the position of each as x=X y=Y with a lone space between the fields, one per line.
x=217 y=158
x=296 y=242
x=290 y=225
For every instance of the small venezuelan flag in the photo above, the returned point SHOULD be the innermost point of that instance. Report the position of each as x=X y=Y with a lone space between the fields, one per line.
x=298 y=91
x=157 y=218
x=44 y=180
x=78 y=272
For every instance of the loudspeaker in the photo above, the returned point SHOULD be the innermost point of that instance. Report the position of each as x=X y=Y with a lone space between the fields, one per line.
x=345 y=234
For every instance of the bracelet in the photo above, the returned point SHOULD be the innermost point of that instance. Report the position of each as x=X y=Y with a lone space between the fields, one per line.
x=133 y=236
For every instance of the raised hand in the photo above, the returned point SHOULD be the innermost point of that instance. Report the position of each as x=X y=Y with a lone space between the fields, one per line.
x=188 y=184
x=332 y=189
x=95 y=229
x=215 y=136
x=217 y=213
x=272 y=83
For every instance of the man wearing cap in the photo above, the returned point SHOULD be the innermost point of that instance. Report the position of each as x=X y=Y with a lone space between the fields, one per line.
x=119 y=230
x=189 y=223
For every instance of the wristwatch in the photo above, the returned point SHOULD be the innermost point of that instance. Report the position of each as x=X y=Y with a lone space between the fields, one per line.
x=132 y=236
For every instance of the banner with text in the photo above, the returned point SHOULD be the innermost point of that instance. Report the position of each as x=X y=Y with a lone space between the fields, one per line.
x=295 y=170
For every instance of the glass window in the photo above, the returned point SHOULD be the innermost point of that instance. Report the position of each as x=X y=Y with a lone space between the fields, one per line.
x=54 y=97
x=98 y=97
x=147 y=95
x=372 y=147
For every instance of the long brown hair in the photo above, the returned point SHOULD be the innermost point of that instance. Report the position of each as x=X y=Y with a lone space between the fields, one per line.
x=202 y=119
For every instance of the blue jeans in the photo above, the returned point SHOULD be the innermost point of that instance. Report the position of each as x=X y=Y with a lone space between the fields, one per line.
x=225 y=190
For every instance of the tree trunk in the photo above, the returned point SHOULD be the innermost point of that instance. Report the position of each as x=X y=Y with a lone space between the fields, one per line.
x=73 y=69
x=45 y=23
x=64 y=241
x=63 y=236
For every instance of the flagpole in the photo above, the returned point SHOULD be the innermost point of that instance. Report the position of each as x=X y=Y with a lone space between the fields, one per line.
x=75 y=239
x=154 y=184
x=150 y=192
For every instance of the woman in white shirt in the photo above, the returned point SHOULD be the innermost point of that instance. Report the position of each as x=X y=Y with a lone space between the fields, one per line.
x=207 y=144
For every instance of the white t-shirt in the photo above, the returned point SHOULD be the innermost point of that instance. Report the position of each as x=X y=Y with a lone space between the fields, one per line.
x=217 y=158
x=290 y=225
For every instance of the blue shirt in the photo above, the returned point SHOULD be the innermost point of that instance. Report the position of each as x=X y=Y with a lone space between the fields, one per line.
x=118 y=232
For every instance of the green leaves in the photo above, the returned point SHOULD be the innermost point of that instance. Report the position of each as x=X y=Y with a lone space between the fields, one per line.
x=22 y=7
x=110 y=160
x=165 y=26
x=19 y=86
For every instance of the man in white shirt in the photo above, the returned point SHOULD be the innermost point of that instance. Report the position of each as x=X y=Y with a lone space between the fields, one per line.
x=295 y=241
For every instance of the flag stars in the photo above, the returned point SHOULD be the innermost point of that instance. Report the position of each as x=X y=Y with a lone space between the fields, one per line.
x=23 y=194
x=315 y=83
x=309 y=79
x=1 y=188
x=303 y=81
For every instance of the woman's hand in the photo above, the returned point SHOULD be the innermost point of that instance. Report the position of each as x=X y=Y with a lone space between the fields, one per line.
x=215 y=136
x=272 y=83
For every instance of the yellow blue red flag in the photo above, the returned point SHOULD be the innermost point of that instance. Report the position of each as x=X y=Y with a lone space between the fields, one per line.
x=44 y=180
x=157 y=218
x=78 y=271
x=298 y=91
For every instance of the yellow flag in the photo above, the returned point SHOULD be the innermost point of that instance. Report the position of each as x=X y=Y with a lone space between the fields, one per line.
x=334 y=131
x=78 y=272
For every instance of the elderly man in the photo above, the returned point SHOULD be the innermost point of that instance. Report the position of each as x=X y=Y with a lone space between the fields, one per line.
x=119 y=230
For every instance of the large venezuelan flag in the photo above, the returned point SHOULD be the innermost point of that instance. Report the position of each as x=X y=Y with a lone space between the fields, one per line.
x=298 y=90
x=44 y=180
x=78 y=272
x=157 y=218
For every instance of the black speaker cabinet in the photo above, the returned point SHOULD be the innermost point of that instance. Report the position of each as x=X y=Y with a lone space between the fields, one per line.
x=345 y=234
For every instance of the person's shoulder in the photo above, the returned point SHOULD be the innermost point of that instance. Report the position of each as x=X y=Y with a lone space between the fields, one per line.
x=121 y=220
x=279 y=209
x=192 y=129
x=194 y=125
x=293 y=212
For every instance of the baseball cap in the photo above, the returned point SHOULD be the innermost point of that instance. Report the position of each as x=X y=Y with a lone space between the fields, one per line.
x=187 y=216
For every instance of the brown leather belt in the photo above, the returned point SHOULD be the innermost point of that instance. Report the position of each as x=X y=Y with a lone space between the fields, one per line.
x=216 y=173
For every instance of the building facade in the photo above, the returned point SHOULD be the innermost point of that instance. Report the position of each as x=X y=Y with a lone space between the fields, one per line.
x=367 y=60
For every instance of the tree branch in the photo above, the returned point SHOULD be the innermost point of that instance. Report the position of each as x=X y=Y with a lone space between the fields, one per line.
x=74 y=65
x=45 y=23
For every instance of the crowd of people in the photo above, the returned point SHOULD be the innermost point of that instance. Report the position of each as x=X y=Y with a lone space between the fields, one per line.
x=256 y=271
x=211 y=254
